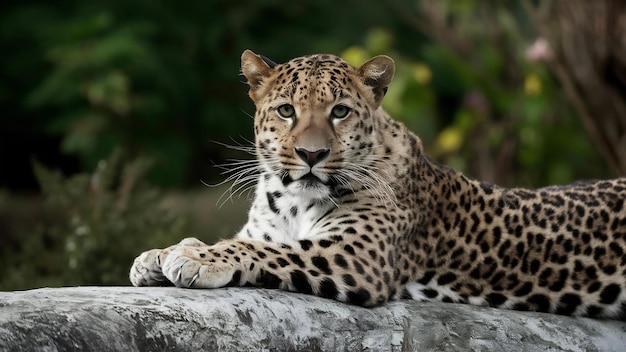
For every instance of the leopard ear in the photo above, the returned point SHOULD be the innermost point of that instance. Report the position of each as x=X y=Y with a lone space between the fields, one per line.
x=256 y=68
x=377 y=73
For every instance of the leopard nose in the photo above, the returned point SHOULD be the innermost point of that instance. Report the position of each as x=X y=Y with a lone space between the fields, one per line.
x=312 y=157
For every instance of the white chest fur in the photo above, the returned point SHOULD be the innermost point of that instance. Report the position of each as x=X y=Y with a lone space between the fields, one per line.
x=278 y=215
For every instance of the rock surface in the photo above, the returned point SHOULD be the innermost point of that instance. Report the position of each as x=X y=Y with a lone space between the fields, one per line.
x=240 y=319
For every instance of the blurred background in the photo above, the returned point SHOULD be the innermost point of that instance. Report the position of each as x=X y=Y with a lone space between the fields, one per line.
x=114 y=114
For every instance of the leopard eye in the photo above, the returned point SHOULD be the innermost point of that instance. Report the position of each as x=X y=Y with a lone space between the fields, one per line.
x=340 y=112
x=286 y=111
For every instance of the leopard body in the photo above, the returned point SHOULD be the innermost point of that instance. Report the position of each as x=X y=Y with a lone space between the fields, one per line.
x=349 y=207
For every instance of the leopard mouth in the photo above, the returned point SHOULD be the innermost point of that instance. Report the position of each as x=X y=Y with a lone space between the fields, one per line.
x=309 y=180
x=311 y=183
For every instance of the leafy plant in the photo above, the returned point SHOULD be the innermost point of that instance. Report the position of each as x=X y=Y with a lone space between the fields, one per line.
x=93 y=226
x=476 y=98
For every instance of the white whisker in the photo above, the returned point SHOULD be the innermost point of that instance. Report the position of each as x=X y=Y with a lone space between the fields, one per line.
x=242 y=173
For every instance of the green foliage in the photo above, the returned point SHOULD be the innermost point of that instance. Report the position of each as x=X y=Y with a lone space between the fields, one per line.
x=114 y=88
x=161 y=79
x=93 y=227
x=477 y=101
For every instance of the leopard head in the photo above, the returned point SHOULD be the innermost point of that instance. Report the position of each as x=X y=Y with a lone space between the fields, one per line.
x=315 y=122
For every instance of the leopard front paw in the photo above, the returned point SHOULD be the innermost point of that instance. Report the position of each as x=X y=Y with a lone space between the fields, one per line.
x=146 y=269
x=198 y=266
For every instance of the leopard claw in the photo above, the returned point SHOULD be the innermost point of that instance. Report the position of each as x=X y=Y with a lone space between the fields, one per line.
x=179 y=275
x=193 y=279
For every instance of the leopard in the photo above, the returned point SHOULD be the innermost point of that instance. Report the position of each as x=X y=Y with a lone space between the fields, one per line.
x=348 y=206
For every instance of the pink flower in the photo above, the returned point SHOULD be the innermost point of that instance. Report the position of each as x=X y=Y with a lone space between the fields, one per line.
x=539 y=51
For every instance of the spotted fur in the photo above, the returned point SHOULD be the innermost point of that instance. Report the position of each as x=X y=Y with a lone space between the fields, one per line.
x=350 y=208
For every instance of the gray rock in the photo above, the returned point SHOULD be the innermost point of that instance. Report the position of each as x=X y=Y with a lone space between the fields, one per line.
x=240 y=319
